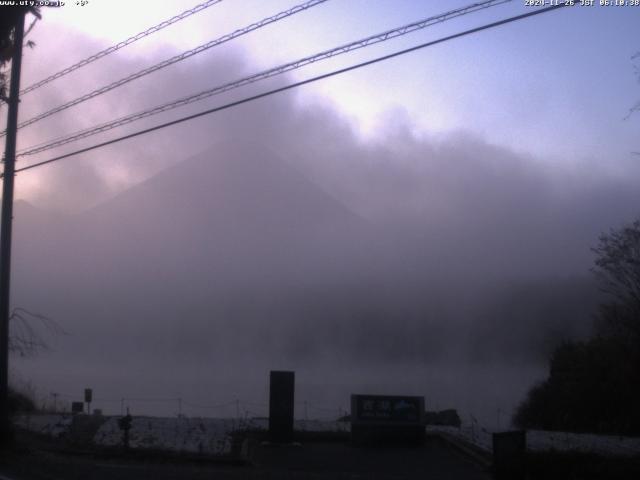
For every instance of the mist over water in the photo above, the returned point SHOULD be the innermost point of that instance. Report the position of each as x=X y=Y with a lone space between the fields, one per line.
x=446 y=267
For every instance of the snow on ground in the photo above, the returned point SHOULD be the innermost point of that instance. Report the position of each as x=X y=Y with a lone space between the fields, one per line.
x=213 y=436
x=540 y=441
x=608 y=445
x=54 y=425
x=209 y=436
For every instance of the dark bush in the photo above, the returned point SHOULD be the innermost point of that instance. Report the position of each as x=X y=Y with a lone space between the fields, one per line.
x=592 y=387
x=20 y=402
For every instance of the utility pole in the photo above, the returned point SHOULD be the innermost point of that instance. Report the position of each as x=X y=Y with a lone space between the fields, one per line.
x=5 y=234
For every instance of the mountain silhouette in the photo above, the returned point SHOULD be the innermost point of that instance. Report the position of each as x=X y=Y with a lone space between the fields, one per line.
x=239 y=210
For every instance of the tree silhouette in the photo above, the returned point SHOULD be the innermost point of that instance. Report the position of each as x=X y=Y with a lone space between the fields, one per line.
x=618 y=273
x=593 y=385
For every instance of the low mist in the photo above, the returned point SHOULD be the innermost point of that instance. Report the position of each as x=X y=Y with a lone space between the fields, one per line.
x=275 y=236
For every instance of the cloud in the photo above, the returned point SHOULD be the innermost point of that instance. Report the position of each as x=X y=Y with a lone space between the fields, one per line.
x=292 y=240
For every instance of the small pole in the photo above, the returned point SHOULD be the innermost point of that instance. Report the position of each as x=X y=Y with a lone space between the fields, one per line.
x=306 y=413
x=55 y=401
x=179 y=407
x=237 y=409
x=122 y=407
x=5 y=235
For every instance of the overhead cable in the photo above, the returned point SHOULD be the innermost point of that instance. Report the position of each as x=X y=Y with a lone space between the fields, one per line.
x=295 y=85
x=119 y=45
x=373 y=39
x=170 y=61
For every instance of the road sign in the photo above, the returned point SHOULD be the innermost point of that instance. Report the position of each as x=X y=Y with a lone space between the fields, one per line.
x=384 y=409
x=387 y=418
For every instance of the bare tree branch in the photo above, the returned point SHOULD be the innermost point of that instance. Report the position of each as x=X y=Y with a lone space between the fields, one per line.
x=618 y=273
x=25 y=340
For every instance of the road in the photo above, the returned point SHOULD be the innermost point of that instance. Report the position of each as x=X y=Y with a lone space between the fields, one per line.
x=307 y=461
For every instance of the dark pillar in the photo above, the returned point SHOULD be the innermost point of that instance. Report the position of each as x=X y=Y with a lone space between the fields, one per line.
x=509 y=455
x=6 y=433
x=281 y=398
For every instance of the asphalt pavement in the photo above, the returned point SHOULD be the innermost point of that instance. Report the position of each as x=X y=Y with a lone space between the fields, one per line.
x=312 y=460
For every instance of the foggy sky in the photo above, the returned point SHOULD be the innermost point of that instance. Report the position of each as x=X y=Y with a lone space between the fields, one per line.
x=192 y=261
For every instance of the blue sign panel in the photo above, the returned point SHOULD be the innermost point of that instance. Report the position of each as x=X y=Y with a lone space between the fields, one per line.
x=387 y=409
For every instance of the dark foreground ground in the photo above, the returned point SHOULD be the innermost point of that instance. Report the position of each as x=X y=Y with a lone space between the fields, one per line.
x=312 y=460
x=317 y=456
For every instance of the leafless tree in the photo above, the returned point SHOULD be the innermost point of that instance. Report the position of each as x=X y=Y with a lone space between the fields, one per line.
x=26 y=339
x=636 y=70
x=617 y=268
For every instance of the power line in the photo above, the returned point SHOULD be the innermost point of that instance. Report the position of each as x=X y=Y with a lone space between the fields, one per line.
x=281 y=69
x=122 y=44
x=149 y=399
x=176 y=58
x=205 y=407
x=296 y=84
x=253 y=404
